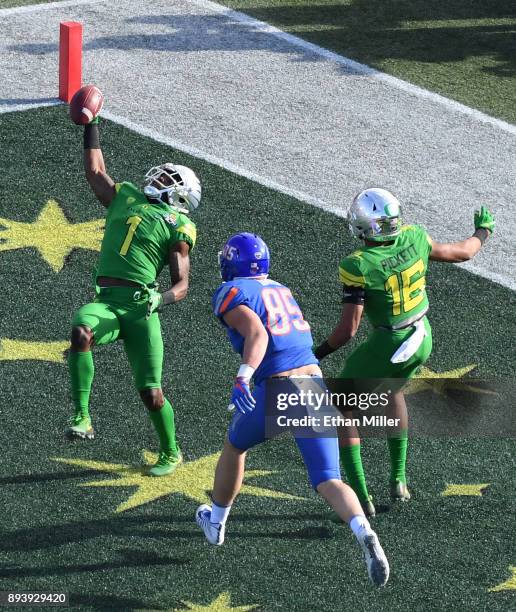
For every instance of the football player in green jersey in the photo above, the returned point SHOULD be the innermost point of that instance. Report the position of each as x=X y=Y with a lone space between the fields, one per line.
x=386 y=278
x=145 y=230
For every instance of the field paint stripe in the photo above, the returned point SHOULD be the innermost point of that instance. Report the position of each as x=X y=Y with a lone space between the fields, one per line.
x=266 y=28
x=266 y=182
x=31 y=8
x=213 y=159
x=28 y=105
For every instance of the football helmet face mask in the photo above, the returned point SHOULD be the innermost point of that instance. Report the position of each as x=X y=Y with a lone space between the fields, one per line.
x=375 y=215
x=175 y=185
x=244 y=255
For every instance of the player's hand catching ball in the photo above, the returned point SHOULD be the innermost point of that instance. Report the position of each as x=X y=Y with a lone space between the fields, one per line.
x=484 y=219
x=154 y=301
x=241 y=397
x=86 y=105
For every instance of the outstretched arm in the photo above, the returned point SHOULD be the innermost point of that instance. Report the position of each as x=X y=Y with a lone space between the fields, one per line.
x=100 y=182
x=464 y=250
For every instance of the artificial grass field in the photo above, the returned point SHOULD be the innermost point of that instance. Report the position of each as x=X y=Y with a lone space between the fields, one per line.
x=281 y=553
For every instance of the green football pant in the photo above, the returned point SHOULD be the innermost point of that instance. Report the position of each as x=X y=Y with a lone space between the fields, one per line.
x=118 y=313
x=372 y=359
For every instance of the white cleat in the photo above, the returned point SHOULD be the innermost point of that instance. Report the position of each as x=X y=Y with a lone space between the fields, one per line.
x=377 y=564
x=214 y=532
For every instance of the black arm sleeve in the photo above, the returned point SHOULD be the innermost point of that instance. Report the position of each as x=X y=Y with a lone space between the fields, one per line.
x=91 y=138
x=353 y=295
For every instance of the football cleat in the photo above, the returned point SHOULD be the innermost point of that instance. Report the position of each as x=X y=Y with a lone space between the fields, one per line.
x=399 y=491
x=368 y=507
x=80 y=428
x=214 y=532
x=376 y=561
x=166 y=463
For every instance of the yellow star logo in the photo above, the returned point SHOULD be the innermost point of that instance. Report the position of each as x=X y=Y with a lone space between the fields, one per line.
x=192 y=479
x=439 y=382
x=465 y=490
x=51 y=234
x=221 y=604
x=12 y=350
x=508 y=585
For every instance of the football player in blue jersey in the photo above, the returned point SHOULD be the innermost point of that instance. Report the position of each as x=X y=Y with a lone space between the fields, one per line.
x=266 y=327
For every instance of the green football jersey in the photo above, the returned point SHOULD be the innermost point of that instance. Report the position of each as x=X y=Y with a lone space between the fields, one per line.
x=393 y=277
x=138 y=236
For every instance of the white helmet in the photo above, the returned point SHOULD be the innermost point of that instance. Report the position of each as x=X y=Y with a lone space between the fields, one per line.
x=375 y=215
x=174 y=185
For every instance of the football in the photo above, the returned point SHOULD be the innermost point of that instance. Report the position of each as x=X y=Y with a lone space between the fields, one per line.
x=86 y=104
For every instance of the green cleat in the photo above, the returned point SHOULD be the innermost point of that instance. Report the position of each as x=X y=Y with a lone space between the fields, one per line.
x=368 y=507
x=81 y=428
x=399 y=491
x=166 y=463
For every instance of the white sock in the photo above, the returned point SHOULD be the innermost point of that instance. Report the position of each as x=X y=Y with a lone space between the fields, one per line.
x=219 y=514
x=359 y=523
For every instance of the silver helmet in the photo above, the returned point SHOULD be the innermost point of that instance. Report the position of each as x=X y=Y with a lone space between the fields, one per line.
x=375 y=215
x=174 y=185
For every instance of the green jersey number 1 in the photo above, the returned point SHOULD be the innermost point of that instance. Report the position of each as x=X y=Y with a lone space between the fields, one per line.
x=133 y=223
x=404 y=295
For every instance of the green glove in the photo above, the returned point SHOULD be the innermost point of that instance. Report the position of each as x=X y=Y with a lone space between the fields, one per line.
x=95 y=120
x=154 y=301
x=484 y=219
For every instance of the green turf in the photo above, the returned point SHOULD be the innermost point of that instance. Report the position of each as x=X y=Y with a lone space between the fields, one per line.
x=280 y=554
x=463 y=49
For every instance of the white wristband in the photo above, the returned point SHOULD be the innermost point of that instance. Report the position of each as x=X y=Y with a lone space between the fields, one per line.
x=245 y=371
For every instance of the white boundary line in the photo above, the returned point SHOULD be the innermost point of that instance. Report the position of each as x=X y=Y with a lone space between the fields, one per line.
x=21 y=107
x=266 y=182
x=213 y=159
x=261 y=26
x=31 y=8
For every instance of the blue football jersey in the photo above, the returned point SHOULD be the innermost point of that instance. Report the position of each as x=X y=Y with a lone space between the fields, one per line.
x=290 y=338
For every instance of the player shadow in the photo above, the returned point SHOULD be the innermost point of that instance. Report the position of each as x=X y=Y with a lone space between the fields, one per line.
x=146 y=526
x=45 y=477
x=130 y=558
x=376 y=30
x=189 y=34
x=369 y=31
